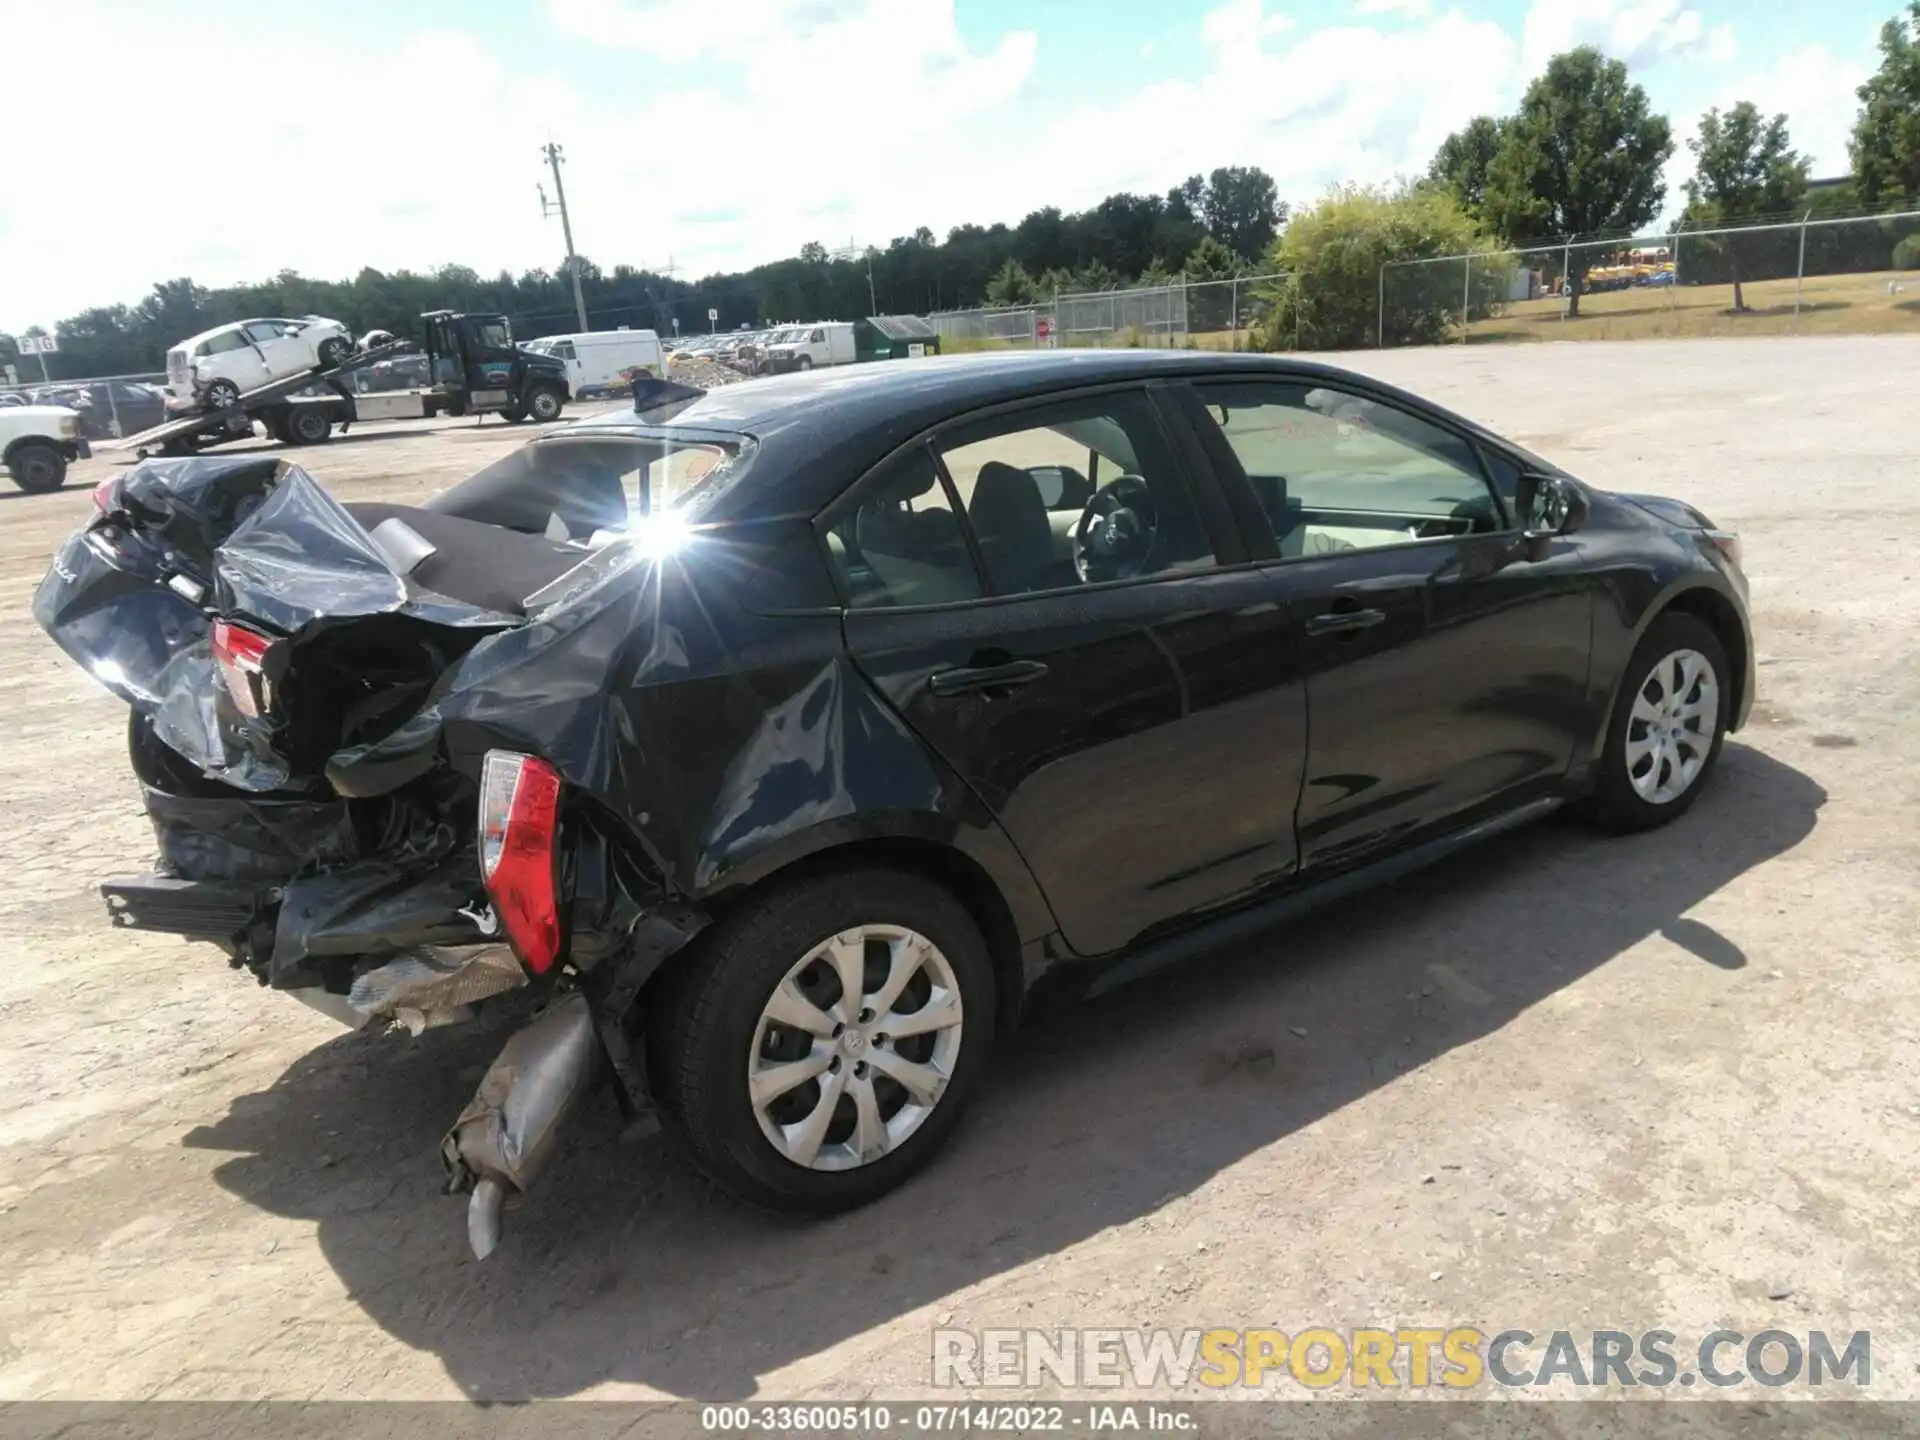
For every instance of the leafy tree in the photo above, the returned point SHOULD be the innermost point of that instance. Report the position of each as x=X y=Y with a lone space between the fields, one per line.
x=1211 y=260
x=1460 y=165
x=1242 y=209
x=1333 y=255
x=1581 y=157
x=813 y=253
x=1096 y=275
x=1186 y=200
x=1743 y=168
x=1886 y=136
x=1010 y=285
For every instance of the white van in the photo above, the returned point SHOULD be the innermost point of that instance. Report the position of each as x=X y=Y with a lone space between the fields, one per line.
x=802 y=347
x=604 y=362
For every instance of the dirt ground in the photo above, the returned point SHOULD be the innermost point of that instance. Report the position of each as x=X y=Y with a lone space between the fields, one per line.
x=1562 y=1082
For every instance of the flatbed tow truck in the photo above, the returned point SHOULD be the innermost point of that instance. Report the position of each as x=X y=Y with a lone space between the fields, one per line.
x=475 y=369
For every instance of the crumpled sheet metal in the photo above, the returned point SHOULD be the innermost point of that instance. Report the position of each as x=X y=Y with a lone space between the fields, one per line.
x=510 y=1129
x=249 y=842
x=262 y=540
x=435 y=986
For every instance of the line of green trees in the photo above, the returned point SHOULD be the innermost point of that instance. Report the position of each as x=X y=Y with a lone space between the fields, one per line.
x=1582 y=156
x=1208 y=226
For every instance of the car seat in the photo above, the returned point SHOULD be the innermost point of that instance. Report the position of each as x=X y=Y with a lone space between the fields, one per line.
x=1010 y=521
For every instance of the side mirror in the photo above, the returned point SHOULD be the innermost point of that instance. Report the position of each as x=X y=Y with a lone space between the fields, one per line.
x=1549 y=505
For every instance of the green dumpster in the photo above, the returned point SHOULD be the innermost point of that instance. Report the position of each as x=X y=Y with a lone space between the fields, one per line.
x=894 y=337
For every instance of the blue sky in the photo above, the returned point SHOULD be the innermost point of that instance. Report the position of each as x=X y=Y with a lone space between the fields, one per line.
x=722 y=133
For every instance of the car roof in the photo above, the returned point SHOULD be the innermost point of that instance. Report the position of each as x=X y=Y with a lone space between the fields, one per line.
x=818 y=430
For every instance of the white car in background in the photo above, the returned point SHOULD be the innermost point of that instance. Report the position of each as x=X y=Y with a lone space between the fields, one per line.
x=216 y=367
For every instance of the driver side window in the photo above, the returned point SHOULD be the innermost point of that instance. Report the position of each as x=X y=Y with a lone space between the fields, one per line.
x=1026 y=482
x=1335 y=470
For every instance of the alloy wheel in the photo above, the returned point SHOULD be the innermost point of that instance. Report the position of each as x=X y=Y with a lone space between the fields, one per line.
x=1672 y=726
x=854 y=1048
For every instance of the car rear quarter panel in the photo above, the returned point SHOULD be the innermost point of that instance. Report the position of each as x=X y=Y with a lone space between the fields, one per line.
x=727 y=743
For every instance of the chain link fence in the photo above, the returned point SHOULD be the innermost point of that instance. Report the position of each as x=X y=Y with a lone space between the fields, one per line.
x=1857 y=274
x=1205 y=314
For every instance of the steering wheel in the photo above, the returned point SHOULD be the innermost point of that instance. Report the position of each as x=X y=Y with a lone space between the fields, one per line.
x=1117 y=531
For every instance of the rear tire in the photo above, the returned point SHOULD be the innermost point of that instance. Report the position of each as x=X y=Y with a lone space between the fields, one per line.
x=713 y=1024
x=37 y=468
x=308 y=425
x=1677 y=683
x=220 y=394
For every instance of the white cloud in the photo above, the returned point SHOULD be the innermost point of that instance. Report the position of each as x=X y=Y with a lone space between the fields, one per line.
x=1639 y=32
x=734 y=167
x=1241 y=25
x=1416 y=9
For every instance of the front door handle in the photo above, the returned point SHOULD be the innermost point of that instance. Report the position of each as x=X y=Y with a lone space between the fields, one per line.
x=1344 y=622
x=984 y=677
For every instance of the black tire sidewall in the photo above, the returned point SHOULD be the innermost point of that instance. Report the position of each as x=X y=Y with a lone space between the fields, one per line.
x=540 y=397
x=743 y=959
x=218 y=388
x=20 y=467
x=333 y=352
x=1618 y=803
x=318 y=437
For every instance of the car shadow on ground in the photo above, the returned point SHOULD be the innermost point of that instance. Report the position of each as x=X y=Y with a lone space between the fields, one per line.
x=626 y=1267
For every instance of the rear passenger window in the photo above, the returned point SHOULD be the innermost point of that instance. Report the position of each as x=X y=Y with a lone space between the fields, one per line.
x=900 y=542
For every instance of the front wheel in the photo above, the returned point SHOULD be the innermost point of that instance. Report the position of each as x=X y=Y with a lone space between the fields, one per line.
x=1668 y=726
x=335 y=351
x=544 y=404
x=37 y=468
x=819 y=1044
x=806 y=362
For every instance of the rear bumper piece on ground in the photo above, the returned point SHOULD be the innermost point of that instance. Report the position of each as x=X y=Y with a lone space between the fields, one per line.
x=511 y=1128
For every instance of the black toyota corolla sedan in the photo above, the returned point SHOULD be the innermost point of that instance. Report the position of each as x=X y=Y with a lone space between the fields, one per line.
x=771 y=745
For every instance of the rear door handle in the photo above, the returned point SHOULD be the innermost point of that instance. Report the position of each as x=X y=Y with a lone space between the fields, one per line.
x=984 y=677
x=1342 y=622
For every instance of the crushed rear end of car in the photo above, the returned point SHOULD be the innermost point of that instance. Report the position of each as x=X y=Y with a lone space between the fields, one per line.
x=359 y=734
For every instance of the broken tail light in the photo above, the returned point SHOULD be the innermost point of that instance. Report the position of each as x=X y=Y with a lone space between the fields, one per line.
x=241 y=655
x=519 y=853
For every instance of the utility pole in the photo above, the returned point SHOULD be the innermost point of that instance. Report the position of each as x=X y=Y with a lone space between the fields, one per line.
x=856 y=252
x=554 y=157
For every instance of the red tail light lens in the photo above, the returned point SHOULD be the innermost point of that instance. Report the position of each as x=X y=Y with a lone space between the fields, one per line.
x=519 y=853
x=241 y=655
x=106 y=495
